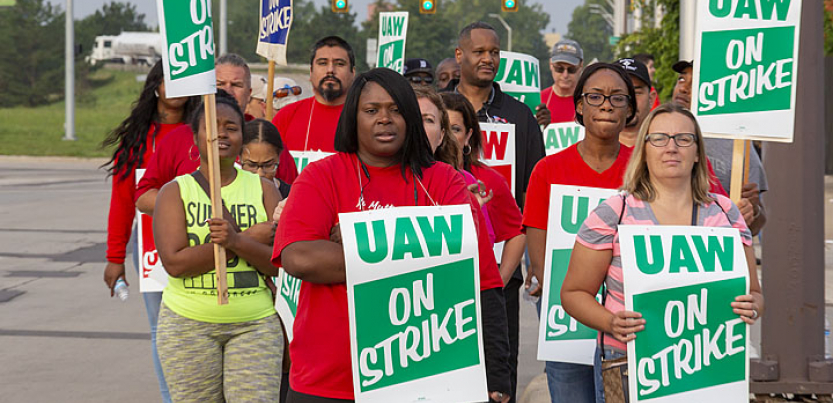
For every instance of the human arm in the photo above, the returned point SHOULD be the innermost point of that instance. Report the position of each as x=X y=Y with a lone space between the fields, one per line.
x=119 y=224
x=171 y=237
x=319 y=261
x=750 y=307
x=536 y=240
x=542 y=115
x=752 y=208
x=513 y=251
x=147 y=201
x=585 y=274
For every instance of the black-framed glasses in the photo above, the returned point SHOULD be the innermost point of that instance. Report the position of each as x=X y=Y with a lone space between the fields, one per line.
x=420 y=79
x=267 y=167
x=596 y=99
x=662 y=139
x=285 y=91
x=560 y=69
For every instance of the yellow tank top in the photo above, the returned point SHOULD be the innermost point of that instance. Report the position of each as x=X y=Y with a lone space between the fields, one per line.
x=196 y=297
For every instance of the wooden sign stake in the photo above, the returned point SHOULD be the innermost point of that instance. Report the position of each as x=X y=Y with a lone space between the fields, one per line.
x=738 y=155
x=216 y=198
x=270 y=91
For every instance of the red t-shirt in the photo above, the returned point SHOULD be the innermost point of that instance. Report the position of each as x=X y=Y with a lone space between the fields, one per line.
x=122 y=202
x=320 y=348
x=568 y=168
x=178 y=155
x=562 y=109
x=308 y=125
x=503 y=211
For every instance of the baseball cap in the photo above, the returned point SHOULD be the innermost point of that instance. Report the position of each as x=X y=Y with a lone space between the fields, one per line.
x=417 y=65
x=259 y=87
x=635 y=68
x=567 y=51
x=680 y=66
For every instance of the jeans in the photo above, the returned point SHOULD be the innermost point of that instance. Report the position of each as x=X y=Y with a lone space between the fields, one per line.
x=597 y=373
x=153 y=300
x=569 y=382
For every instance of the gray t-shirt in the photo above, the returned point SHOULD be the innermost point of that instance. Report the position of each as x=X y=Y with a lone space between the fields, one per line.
x=719 y=152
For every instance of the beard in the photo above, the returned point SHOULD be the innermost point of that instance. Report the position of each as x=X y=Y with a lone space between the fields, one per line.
x=330 y=90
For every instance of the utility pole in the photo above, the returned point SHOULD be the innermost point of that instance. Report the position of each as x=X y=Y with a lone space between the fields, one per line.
x=223 y=27
x=69 y=82
x=688 y=13
x=505 y=25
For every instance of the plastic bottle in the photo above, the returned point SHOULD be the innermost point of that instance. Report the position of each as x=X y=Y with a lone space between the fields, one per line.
x=121 y=290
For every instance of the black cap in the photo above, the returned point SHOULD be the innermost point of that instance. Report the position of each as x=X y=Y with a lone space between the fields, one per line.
x=417 y=65
x=680 y=66
x=635 y=68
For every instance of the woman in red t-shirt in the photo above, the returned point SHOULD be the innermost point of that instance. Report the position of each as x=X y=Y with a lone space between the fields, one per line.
x=153 y=116
x=605 y=100
x=383 y=156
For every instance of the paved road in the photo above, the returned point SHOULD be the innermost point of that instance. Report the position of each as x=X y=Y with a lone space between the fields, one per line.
x=62 y=338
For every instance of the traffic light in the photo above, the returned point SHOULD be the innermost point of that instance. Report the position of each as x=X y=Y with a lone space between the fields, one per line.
x=427 y=6
x=339 y=6
x=509 y=6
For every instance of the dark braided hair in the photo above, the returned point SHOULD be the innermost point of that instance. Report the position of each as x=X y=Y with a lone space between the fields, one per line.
x=130 y=137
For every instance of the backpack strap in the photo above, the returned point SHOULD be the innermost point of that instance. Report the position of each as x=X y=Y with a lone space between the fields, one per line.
x=200 y=178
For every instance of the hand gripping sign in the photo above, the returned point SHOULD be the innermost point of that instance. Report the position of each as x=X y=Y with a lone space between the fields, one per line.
x=683 y=280
x=745 y=73
x=560 y=337
x=152 y=276
x=393 y=28
x=413 y=294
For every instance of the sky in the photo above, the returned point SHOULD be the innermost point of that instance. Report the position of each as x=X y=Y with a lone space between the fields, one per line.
x=558 y=21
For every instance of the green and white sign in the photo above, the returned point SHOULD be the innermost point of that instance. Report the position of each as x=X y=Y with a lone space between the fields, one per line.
x=744 y=76
x=520 y=77
x=413 y=295
x=560 y=337
x=559 y=136
x=188 y=57
x=304 y=158
x=286 y=301
x=393 y=27
x=683 y=280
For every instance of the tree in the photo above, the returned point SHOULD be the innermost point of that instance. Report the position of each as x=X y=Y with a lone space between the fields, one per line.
x=111 y=19
x=591 y=31
x=32 y=39
x=828 y=27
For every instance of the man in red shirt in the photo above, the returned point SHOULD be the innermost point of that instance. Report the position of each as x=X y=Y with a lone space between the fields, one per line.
x=310 y=124
x=177 y=155
x=565 y=64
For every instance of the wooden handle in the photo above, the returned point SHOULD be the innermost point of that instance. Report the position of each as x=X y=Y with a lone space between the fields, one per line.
x=270 y=89
x=216 y=197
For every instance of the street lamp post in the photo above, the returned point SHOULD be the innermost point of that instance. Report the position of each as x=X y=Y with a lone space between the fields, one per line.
x=505 y=25
x=69 y=77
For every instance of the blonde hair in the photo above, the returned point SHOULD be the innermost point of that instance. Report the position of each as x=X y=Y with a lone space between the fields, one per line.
x=448 y=151
x=637 y=179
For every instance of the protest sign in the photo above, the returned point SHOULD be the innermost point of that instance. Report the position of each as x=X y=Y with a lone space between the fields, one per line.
x=188 y=57
x=744 y=77
x=498 y=141
x=559 y=136
x=304 y=158
x=519 y=77
x=152 y=276
x=683 y=280
x=286 y=300
x=273 y=32
x=393 y=27
x=560 y=337
x=413 y=295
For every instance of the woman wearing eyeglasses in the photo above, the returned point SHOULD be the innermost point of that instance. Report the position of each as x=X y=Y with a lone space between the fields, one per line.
x=262 y=147
x=604 y=101
x=666 y=183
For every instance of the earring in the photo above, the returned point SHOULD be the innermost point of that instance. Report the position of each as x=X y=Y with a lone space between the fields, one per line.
x=191 y=153
x=156 y=92
x=466 y=149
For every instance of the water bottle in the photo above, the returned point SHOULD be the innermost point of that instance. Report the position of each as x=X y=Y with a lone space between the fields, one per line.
x=529 y=297
x=121 y=290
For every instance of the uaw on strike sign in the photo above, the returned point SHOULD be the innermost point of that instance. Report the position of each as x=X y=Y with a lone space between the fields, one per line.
x=682 y=280
x=413 y=294
x=152 y=275
x=745 y=71
x=188 y=57
x=498 y=141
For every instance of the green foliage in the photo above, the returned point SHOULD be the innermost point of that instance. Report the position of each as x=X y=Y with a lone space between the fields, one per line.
x=112 y=19
x=38 y=130
x=662 y=42
x=591 y=31
x=828 y=31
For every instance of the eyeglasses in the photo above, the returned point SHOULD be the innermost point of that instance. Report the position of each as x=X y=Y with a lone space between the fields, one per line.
x=680 y=139
x=284 y=92
x=560 y=69
x=420 y=79
x=616 y=100
x=267 y=167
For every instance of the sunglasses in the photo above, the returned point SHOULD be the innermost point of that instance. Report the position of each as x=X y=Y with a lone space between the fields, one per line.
x=418 y=79
x=285 y=91
x=560 y=69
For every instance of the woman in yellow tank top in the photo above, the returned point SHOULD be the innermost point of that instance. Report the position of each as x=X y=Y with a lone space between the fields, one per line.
x=211 y=352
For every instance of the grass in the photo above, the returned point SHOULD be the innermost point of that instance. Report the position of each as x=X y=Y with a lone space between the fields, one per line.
x=39 y=131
